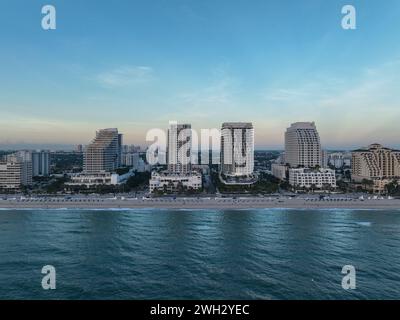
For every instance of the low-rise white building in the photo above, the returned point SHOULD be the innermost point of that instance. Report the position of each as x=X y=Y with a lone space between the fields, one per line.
x=310 y=178
x=105 y=178
x=173 y=182
x=89 y=180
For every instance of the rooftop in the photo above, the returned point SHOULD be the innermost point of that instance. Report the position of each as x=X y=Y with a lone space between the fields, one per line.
x=237 y=125
x=302 y=125
x=374 y=147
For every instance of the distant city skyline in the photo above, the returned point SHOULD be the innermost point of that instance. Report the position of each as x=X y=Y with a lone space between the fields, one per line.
x=137 y=65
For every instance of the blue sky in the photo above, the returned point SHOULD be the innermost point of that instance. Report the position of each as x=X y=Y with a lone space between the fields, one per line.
x=136 y=65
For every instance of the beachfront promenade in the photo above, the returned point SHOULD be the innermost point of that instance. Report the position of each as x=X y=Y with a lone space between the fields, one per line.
x=302 y=202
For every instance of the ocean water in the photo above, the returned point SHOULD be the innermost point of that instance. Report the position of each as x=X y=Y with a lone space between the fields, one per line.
x=199 y=254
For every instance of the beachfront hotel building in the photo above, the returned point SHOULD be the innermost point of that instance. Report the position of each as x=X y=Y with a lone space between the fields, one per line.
x=15 y=172
x=303 y=146
x=100 y=158
x=179 y=174
x=312 y=179
x=103 y=154
x=304 y=164
x=237 y=152
x=179 y=145
x=104 y=178
x=375 y=163
x=171 y=182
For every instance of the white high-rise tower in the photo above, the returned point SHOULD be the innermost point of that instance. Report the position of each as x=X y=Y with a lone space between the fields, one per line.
x=303 y=146
x=237 y=149
x=179 y=148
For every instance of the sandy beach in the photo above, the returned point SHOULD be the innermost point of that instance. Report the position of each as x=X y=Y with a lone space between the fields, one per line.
x=200 y=203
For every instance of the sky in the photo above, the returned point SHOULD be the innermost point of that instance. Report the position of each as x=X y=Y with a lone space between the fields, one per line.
x=136 y=65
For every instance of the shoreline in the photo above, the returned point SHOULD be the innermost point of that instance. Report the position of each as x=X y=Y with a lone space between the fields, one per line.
x=200 y=203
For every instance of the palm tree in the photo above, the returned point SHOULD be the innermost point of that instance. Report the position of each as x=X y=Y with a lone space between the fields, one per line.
x=367 y=183
x=313 y=187
x=392 y=187
x=327 y=187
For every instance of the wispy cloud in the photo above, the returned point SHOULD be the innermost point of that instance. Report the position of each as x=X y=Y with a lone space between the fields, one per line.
x=349 y=110
x=126 y=76
x=376 y=88
x=211 y=100
x=373 y=87
x=215 y=95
